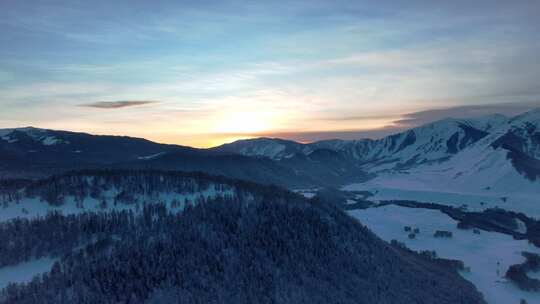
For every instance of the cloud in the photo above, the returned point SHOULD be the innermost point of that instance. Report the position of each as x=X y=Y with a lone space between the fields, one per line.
x=423 y=117
x=117 y=104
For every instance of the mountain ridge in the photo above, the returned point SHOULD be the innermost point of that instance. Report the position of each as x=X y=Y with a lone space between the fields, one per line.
x=462 y=151
x=514 y=140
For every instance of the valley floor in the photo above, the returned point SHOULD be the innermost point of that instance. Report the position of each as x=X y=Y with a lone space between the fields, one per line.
x=488 y=254
x=527 y=203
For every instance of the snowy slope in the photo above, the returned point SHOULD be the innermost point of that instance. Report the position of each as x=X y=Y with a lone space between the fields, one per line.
x=30 y=207
x=482 y=170
x=24 y=272
x=105 y=191
x=273 y=148
x=497 y=170
x=521 y=134
x=429 y=143
x=40 y=136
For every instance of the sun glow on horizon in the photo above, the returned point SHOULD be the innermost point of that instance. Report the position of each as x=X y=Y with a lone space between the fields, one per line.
x=243 y=123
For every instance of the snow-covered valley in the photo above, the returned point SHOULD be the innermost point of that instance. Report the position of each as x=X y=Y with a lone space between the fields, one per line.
x=406 y=188
x=487 y=254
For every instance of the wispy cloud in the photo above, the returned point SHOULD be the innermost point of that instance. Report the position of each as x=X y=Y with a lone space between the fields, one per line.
x=117 y=104
x=471 y=111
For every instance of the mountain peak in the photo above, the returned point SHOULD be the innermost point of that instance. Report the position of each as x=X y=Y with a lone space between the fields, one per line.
x=39 y=135
x=486 y=123
x=275 y=148
x=530 y=116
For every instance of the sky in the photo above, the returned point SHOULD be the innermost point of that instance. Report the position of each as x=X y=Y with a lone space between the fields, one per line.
x=202 y=73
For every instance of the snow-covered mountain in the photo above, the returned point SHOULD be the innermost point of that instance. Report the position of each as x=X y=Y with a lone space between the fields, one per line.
x=506 y=160
x=502 y=169
x=274 y=148
x=31 y=134
x=466 y=153
x=490 y=152
x=521 y=136
x=430 y=143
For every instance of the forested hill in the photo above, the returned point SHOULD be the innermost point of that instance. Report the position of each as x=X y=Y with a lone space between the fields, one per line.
x=114 y=188
x=244 y=243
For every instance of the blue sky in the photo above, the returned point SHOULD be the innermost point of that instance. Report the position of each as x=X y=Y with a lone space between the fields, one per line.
x=205 y=72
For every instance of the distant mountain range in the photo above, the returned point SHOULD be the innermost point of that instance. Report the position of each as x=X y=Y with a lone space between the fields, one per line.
x=485 y=152
x=491 y=152
x=35 y=153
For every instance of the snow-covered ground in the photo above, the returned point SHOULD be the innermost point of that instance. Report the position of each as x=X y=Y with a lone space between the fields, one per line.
x=534 y=275
x=33 y=207
x=307 y=193
x=148 y=157
x=24 y=272
x=411 y=189
x=488 y=254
